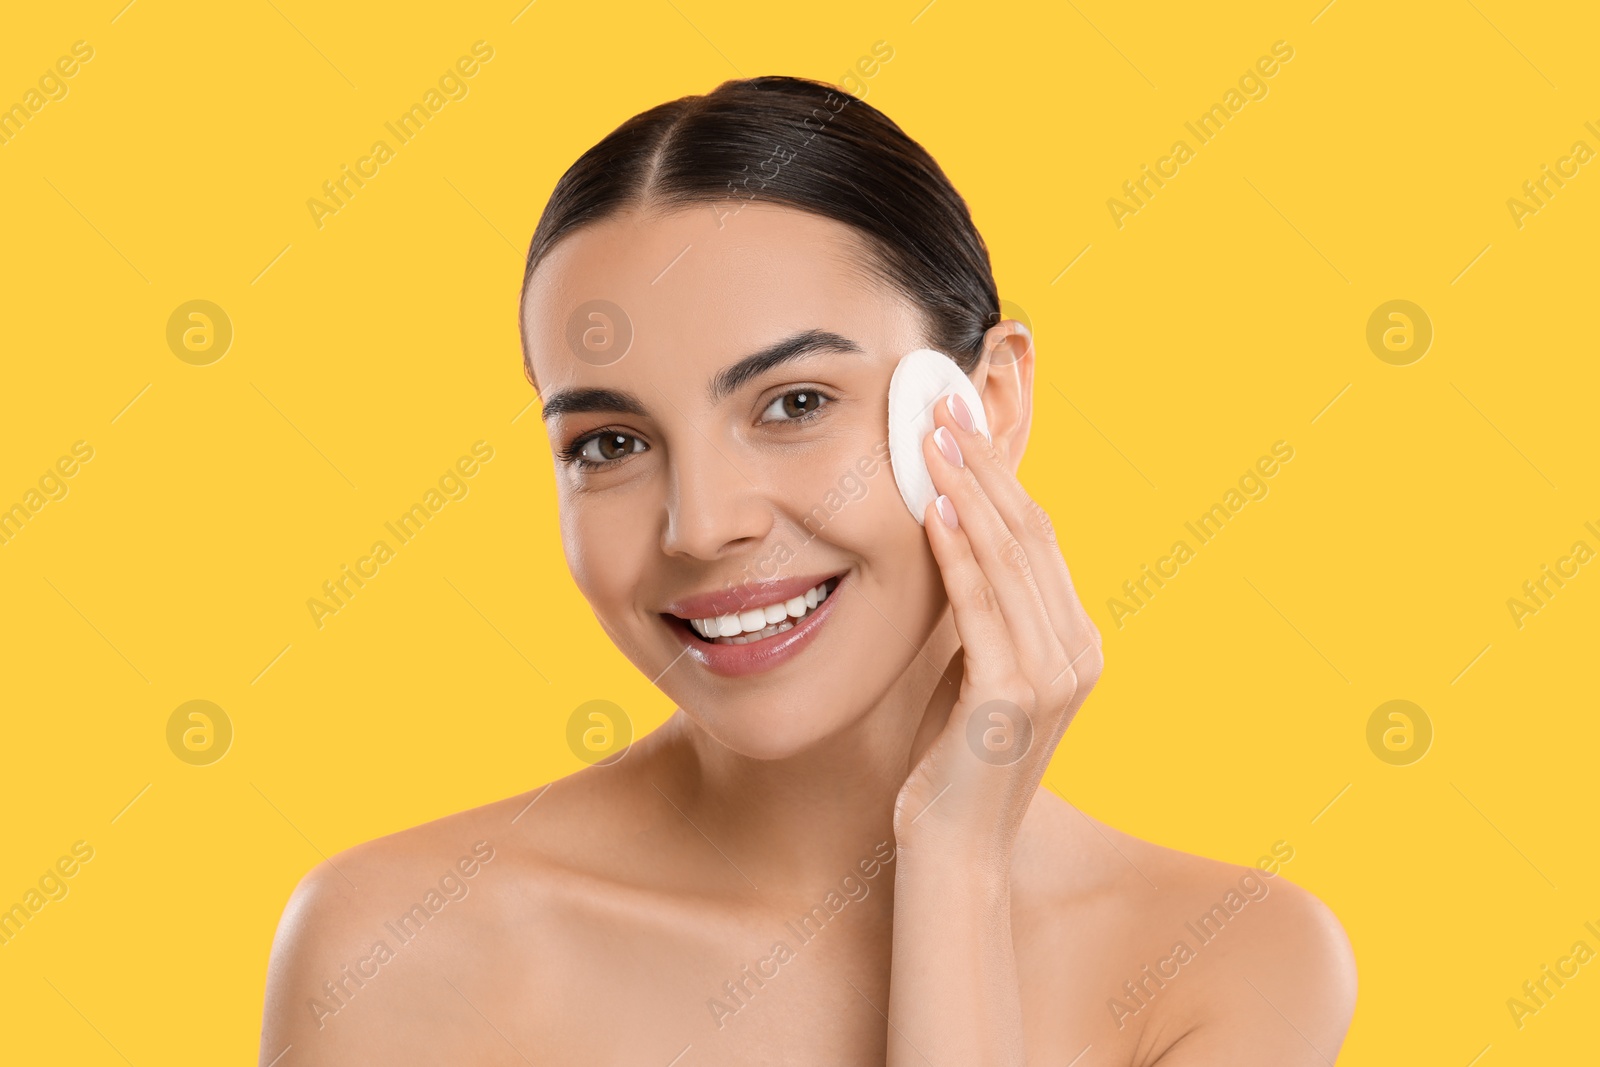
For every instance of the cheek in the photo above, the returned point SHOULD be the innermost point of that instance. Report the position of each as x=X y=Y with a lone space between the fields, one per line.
x=867 y=519
x=844 y=496
x=605 y=551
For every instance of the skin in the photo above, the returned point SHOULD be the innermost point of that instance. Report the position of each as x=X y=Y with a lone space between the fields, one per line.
x=620 y=899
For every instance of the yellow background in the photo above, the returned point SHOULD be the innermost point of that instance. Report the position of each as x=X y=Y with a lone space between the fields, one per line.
x=369 y=354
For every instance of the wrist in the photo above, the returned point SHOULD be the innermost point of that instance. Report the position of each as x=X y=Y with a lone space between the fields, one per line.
x=967 y=871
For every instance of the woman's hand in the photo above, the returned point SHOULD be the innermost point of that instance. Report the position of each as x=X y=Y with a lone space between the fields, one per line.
x=1029 y=656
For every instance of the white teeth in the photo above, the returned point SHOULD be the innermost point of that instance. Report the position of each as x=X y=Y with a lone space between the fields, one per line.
x=758 y=623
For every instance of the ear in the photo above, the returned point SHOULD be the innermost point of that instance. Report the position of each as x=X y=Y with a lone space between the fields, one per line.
x=1004 y=377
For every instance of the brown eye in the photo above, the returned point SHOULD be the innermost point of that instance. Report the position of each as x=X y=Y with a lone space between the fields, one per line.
x=604 y=449
x=796 y=405
x=613 y=446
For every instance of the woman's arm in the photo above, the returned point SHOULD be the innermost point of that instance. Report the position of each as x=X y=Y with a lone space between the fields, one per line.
x=1029 y=657
x=953 y=995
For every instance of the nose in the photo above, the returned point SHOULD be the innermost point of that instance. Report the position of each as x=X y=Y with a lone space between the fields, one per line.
x=715 y=507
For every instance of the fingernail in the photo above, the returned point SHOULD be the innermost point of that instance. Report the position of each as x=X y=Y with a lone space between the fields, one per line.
x=960 y=411
x=947 y=510
x=947 y=444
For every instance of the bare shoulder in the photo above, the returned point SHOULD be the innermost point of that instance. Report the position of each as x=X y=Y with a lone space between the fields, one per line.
x=1197 y=961
x=393 y=950
x=344 y=976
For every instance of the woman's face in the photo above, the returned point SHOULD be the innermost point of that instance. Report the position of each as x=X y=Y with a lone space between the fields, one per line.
x=751 y=483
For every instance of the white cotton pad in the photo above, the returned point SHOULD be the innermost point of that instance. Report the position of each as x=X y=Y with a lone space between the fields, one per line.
x=919 y=380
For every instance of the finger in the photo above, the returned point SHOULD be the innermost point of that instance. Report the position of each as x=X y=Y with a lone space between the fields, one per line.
x=1002 y=557
x=990 y=656
x=1031 y=525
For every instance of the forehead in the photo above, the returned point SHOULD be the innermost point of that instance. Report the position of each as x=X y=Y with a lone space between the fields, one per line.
x=682 y=284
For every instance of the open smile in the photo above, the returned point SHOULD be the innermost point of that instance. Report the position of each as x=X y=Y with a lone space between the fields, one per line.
x=758 y=637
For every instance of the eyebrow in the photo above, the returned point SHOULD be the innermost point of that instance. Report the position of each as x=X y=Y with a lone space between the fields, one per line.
x=723 y=383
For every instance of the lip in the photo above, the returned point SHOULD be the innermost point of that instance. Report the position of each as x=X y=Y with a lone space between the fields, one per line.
x=735 y=661
x=745 y=597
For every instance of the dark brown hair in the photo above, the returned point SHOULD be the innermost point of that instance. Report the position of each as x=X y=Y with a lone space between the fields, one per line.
x=832 y=154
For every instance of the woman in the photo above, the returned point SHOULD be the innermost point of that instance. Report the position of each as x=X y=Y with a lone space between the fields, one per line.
x=837 y=849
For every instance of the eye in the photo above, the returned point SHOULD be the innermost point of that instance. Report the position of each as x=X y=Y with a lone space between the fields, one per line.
x=797 y=405
x=601 y=448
